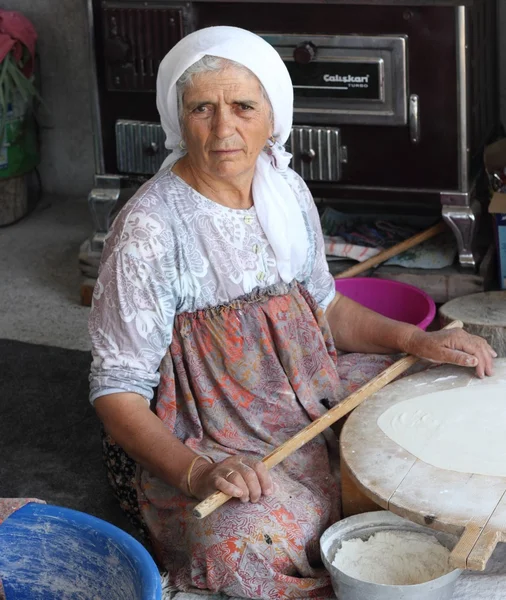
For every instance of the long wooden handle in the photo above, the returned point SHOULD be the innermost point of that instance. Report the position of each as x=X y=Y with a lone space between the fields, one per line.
x=393 y=251
x=207 y=506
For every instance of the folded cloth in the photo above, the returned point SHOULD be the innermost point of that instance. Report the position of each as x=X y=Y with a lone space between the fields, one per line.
x=10 y=505
x=436 y=253
x=338 y=246
x=362 y=237
x=378 y=234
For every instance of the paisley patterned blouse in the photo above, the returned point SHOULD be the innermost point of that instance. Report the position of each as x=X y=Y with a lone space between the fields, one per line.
x=170 y=251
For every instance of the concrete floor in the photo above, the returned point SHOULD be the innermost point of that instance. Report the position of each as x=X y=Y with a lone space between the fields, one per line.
x=39 y=303
x=39 y=275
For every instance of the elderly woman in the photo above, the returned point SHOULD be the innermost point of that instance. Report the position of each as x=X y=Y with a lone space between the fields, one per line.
x=214 y=287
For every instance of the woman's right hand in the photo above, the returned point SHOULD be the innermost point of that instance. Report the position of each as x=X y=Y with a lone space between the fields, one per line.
x=238 y=476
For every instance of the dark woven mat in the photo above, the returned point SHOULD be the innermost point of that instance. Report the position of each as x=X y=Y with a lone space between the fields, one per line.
x=50 y=446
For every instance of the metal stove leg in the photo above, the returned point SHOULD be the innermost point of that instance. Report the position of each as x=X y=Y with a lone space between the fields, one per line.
x=102 y=200
x=463 y=222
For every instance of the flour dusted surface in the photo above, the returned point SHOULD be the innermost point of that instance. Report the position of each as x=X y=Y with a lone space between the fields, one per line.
x=459 y=429
x=394 y=558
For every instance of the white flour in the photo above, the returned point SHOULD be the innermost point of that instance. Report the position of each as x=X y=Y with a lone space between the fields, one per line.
x=394 y=558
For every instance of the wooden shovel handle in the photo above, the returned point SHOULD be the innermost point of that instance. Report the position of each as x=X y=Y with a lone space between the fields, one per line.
x=393 y=251
x=214 y=501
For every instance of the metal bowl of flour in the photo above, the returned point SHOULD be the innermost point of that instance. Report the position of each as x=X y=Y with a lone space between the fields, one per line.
x=364 y=526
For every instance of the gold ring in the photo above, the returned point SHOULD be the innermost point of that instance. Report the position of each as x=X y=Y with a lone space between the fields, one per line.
x=231 y=472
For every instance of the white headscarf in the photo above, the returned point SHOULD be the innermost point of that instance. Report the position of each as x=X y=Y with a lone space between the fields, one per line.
x=276 y=206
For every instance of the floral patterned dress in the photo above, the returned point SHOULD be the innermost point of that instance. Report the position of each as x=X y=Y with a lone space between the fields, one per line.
x=189 y=300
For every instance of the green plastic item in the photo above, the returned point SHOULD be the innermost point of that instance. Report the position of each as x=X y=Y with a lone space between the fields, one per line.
x=19 y=153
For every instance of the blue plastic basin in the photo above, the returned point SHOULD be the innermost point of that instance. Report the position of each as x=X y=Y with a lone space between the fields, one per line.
x=49 y=552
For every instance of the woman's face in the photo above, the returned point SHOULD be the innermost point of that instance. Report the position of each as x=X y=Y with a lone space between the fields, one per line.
x=226 y=122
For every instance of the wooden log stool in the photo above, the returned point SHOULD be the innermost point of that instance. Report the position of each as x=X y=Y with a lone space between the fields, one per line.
x=482 y=314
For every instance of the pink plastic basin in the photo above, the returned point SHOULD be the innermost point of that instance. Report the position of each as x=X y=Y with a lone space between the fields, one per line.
x=392 y=299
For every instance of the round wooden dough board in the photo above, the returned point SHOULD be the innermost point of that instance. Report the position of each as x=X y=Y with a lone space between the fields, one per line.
x=483 y=314
x=465 y=504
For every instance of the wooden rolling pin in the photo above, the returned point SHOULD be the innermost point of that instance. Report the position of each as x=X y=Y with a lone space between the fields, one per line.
x=393 y=251
x=207 y=506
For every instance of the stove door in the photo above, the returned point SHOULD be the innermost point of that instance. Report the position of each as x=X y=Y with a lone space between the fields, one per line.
x=346 y=79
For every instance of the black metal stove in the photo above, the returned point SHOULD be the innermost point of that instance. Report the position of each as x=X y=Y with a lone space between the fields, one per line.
x=394 y=100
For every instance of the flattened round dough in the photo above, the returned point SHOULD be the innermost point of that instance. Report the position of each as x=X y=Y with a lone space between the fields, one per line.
x=462 y=429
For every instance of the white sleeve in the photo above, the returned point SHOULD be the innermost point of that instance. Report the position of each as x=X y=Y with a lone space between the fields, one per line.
x=317 y=278
x=133 y=306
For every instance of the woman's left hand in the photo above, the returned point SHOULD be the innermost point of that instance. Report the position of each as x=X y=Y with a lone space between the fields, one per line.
x=453 y=346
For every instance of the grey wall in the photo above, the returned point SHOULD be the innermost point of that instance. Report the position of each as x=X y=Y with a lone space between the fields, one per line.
x=67 y=145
